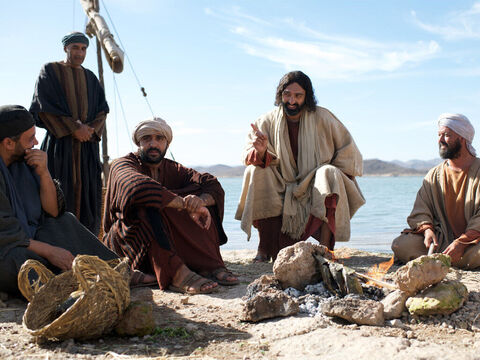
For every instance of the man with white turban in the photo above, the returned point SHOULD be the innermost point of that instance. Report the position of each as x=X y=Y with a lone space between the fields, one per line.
x=166 y=218
x=446 y=212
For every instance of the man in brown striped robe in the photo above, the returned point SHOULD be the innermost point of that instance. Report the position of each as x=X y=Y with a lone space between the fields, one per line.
x=166 y=218
x=70 y=104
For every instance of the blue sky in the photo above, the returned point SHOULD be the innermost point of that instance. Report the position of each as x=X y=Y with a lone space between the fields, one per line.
x=386 y=69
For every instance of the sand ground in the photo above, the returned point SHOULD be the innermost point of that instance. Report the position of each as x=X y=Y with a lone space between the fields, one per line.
x=208 y=327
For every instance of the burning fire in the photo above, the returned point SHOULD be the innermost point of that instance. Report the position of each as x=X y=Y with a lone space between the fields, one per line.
x=378 y=271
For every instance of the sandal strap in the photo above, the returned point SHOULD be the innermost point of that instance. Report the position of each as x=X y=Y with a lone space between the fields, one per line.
x=194 y=279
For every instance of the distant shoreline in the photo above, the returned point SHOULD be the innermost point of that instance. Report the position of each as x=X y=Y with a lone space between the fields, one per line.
x=371 y=167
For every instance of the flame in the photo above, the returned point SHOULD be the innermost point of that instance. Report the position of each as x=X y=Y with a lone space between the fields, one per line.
x=335 y=257
x=378 y=271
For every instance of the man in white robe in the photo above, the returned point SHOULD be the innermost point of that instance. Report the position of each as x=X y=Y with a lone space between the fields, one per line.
x=300 y=179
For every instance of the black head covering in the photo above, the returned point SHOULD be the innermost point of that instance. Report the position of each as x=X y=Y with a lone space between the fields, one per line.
x=14 y=120
x=75 y=37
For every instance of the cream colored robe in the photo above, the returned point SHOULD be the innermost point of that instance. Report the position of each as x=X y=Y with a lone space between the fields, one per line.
x=326 y=155
x=429 y=207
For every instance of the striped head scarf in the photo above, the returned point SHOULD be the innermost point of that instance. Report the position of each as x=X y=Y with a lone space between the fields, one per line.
x=461 y=125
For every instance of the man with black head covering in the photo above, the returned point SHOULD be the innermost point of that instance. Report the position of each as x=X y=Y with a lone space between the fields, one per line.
x=69 y=103
x=166 y=218
x=446 y=213
x=33 y=221
x=300 y=177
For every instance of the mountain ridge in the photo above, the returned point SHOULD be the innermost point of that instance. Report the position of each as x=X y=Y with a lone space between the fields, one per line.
x=371 y=167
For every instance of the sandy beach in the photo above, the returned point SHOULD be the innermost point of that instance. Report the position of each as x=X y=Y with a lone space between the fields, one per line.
x=208 y=327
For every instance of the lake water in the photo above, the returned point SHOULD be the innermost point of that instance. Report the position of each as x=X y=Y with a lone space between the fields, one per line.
x=374 y=226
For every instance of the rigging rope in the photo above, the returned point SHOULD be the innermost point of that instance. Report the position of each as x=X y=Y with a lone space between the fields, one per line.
x=142 y=89
x=117 y=93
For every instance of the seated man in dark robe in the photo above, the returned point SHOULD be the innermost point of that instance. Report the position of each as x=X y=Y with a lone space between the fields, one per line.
x=166 y=218
x=33 y=222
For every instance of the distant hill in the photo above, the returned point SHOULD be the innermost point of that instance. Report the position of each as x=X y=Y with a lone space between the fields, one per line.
x=423 y=165
x=386 y=168
x=370 y=167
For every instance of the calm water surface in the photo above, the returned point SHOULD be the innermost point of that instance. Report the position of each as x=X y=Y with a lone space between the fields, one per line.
x=374 y=226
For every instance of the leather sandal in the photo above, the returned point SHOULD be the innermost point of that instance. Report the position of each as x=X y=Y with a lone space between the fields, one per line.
x=190 y=281
x=223 y=279
x=138 y=280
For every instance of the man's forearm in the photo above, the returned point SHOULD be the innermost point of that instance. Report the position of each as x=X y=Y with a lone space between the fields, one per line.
x=48 y=194
x=207 y=199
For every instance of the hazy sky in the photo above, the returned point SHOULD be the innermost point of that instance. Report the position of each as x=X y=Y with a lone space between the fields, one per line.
x=386 y=69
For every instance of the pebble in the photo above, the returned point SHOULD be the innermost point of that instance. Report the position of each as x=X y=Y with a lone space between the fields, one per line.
x=396 y=323
x=184 y=300
x=410 y=334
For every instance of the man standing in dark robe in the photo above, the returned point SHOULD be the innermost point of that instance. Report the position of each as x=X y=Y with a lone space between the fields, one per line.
x=33 y=221
x=166 y=218
x=70 y=104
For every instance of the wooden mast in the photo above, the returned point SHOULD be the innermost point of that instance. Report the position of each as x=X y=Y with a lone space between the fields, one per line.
x=105 y=157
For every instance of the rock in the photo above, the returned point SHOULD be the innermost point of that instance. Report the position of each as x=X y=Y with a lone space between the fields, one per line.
x=296 y=266
x=443 y=298
x=137 y=320
x=394 y=304
x=355 y=310
x=268 y=304
x=263 y=283
x=395 y=323
x=422 y=272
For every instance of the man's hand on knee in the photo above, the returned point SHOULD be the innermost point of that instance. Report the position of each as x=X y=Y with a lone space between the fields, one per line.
x=201 y=217
x=456 y=250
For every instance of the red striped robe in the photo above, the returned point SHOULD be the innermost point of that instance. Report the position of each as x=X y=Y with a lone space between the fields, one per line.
x=131 y=189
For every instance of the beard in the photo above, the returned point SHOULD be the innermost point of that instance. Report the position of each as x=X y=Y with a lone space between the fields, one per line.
x=450 y=152
x=19 y=153
x=152 y=155
x=294 y=111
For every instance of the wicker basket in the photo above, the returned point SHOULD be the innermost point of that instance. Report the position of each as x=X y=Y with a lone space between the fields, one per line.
x=82 y=303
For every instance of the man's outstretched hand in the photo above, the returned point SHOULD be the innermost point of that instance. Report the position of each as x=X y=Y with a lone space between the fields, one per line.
x=201 y=217
x=261 y=141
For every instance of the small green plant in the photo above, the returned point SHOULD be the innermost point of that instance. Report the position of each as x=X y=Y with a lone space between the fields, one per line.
x=171 y=332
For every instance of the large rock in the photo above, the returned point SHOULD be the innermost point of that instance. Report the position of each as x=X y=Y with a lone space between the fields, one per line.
x=137 y=320
x=394 y=304
x=355 y=310
x=443 y=298
x=296 y=265
x=422 y=272
x=263 y=283
x=268 y=304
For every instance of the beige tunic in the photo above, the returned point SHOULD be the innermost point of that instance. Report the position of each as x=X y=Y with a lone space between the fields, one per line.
x=328 y=161
x=429 y=207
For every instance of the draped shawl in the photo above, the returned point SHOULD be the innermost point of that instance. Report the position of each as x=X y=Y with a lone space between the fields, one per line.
x=297 y=189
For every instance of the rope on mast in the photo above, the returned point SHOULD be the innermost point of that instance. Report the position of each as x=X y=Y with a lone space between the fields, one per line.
x=142 y=89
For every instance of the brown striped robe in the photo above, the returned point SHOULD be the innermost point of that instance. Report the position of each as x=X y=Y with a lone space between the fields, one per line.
x=132 y=201
x=63 y=98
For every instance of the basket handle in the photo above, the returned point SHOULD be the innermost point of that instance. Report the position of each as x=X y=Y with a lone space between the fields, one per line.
x=28 y=289
x=89 y=269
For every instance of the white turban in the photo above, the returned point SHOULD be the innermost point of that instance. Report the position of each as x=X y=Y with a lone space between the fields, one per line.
x=150 y=127
x=461 y=125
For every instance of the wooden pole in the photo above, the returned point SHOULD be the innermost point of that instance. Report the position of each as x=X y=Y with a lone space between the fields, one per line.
x=105 y=157
x=385 y=284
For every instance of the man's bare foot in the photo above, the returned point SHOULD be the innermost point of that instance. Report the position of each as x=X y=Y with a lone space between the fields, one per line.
x=191 y=283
